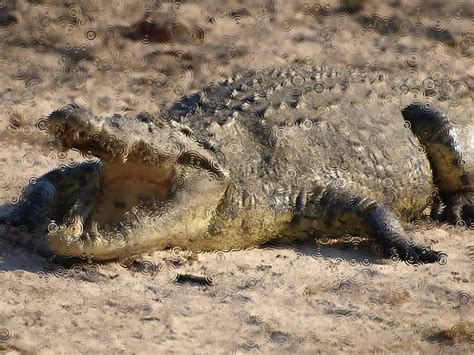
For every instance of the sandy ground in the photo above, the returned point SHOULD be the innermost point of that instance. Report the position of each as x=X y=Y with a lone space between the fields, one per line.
x=306 y=298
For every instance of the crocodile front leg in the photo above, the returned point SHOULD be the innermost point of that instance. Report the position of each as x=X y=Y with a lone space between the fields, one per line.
x=334 y=211
x=34 y=206
x=59 y=204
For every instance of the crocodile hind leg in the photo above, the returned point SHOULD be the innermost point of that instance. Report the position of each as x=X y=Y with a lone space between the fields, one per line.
x=452 y=174
x=338 y=213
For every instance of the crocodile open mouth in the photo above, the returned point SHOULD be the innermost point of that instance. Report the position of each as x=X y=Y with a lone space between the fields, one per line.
x=126 y=186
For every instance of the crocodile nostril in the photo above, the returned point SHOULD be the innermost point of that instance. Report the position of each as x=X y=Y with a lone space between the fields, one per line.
x=467 y=214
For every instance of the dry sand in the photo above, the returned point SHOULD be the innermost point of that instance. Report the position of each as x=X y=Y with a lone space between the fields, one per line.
x=306 y=298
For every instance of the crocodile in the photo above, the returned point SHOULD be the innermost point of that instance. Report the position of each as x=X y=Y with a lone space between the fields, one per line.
x=290 y=153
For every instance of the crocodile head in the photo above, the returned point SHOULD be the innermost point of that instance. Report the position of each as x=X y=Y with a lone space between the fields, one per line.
x=148 y=168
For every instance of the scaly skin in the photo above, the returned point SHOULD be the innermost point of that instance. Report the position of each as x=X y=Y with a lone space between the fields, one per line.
x=296 y=152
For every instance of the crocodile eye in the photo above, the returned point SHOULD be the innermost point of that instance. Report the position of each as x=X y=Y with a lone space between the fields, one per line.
x=120 y=205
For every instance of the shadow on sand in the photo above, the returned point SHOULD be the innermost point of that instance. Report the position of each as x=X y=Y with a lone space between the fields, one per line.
x=17 y=252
